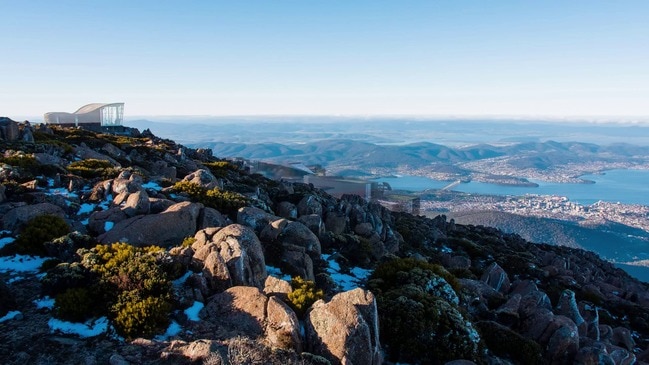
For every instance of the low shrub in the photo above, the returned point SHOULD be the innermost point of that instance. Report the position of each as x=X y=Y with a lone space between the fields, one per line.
x=75 y=304
x=39 y=230
x=220 y=168
x=304 y=294
x=224 y=201
x=93 y=168
x=136 y=317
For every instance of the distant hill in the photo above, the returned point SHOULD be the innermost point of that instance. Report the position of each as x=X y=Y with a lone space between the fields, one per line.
x=342 y=154
x=612 y=241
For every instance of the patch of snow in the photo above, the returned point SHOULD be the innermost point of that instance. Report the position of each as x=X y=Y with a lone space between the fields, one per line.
x=173 y=329
x=106 y=203
x=276 y=272
x=45 y=302
x=108 y=225
x=14 y=279
x=63 y=192
x=152 y=185
x=89 y=329
x=85 y=222
x=86 y=208
x=192 y=312
x=21 y=263
x=9 y=316
x=446 y=249
x=343 y=280
x=181 y=280
x=4 y=231
x=5 y=241
x=50 y=182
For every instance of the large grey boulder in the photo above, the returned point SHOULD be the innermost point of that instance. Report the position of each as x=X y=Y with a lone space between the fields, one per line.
x=282 y=326
x=242 y=252
x=98 y=222
x=137 y=203
x=240 y=310
x=255 y=218
x=203 y=178
x=166 y=229
x=345 y=330
x=297 y=234
x=309 y=205
x=496 y=278
x=17 y=217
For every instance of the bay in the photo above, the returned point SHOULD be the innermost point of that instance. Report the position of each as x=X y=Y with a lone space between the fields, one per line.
x=623 y=186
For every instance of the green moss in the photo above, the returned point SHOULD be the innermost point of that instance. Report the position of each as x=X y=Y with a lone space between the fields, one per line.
x=304 y=294
x=220 y=168
x=39 y=230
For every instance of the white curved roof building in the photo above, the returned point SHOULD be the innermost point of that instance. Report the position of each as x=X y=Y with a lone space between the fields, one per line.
x=105 y=115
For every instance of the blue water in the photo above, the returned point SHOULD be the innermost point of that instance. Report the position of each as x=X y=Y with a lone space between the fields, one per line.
x=624 y=186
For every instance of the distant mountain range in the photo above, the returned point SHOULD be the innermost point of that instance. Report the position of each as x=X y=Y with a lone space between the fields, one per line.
x=338 y=155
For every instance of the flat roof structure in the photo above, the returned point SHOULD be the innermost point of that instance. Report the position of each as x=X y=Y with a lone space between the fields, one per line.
x=100 y=114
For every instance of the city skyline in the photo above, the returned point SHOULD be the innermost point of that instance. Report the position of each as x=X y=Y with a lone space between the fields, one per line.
x=466 y=58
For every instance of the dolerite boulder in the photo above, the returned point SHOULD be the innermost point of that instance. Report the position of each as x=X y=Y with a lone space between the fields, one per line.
x=287 y=210
x=246 y=311
x=309 y=205
x=166 y=229
x=16 y=218
x=241 y=310
x=345 y=330
x=137 y=203
x=496 y=278
x=211 y=217
x=84 y=152
x=8 y=129
x=98 y=222
x=282 y=326
x=297 y=234
x=255 y=218
x=242 y=252
x=203 y=178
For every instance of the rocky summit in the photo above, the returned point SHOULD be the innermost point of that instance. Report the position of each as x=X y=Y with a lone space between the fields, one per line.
x=132 y=249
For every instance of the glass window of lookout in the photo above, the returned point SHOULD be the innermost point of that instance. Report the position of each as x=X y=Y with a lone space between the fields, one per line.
x=112 y=115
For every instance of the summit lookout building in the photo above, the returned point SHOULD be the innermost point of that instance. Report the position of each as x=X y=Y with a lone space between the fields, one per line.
x=91 y=115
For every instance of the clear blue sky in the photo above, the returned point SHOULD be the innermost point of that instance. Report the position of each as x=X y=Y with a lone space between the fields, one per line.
x=326 y=57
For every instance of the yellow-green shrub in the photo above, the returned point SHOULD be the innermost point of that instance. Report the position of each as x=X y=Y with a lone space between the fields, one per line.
x=92 y=168
x=39 y=230
x=304 y=294
x=224 y=201
x=141 y=317
x=75 y=304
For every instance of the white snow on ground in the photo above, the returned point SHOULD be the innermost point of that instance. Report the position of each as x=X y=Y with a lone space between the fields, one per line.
x=89 y=329
x=106 y=203
x=21 y=263
x=44 y=302
x=9 y=316
x=14 y=279
x=192 y=312
x=181 y=280
x=173 y=329
x=108 y=225
x=346 y=281
x=61 y=191
x=276 y=272
x=86 y=208
x=152 y=185
x=6 y=240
